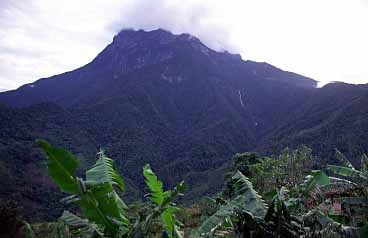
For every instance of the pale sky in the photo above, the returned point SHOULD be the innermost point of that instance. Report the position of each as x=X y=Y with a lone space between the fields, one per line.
x=323 y=39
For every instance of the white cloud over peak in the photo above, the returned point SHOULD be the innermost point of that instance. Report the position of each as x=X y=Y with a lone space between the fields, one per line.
x=325 y=40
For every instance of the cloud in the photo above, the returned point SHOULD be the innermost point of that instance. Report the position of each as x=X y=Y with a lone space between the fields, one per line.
x=194 y=17
x=40 y=38
x=325 y=40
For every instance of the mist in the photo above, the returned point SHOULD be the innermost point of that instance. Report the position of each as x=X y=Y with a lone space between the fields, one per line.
x=322 y=40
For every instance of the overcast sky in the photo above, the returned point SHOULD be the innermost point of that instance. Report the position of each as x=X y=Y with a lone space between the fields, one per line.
x=323 y=39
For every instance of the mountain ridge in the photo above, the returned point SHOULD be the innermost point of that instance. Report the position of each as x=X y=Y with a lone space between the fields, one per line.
x=147 y=48
x=168 y=100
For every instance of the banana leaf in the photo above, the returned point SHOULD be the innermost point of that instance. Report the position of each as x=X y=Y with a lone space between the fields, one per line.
x=61 y=167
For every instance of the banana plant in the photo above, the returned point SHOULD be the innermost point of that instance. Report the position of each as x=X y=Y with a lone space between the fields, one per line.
x=348 y=170
x=358 y=179
x=164 y=206
x=316 y=178
x=243 y=201
x=279 y=220
x=318 y=224
x=96 y=195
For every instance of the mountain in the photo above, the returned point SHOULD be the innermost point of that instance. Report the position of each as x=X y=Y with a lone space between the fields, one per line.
x=168 y=100
x=155 y=57
x=336 y=116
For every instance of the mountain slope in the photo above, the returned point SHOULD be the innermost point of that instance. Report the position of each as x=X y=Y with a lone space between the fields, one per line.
x=164 y=99
x=175 y=58
x=335 y=117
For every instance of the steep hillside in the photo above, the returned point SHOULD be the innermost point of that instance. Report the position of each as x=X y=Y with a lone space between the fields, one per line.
x=336 y=116
x=171 y=101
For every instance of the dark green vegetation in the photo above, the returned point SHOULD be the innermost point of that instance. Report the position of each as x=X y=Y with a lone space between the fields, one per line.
x=168 y=100
x=290 y=204
x=336 y=116
x=100 y=202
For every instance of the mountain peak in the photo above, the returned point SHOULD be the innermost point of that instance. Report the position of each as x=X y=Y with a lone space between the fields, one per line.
x=133 y=49
x=159 y=38
x=127 y=37
x=156 y=55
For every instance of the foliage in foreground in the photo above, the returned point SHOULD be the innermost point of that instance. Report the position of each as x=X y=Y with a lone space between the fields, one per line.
x=238 y=211
x=98 y=198
x=291 y=213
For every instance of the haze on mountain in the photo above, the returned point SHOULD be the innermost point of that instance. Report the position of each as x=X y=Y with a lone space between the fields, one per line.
x=324 y=40
x=171 y=101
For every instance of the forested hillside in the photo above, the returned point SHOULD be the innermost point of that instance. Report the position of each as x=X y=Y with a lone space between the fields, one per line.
x=169 y=100
x=278 y=196
x=336 y=116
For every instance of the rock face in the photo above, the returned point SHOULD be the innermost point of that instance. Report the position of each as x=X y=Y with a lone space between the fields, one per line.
x=164 y=99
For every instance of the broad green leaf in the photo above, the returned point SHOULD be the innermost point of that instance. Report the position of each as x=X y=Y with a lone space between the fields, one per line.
x=344 y=171
x=80 y=227
x=61 y=167
x=341 y=157
x=217 y=219
x=316 y=177
x=168 y=220
x=341 y=181
x=279 y=205
x=225 y=212
x=155 y=186
x=100 y=179
x=253 y=202
x=320 y=177
x=96 y=197
x=104 y=172
x=269 y=195
x=102 y=205
x=246 y=200
x=72 y=220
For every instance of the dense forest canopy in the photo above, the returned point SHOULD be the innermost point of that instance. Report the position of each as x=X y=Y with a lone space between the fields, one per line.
x=261 y=197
